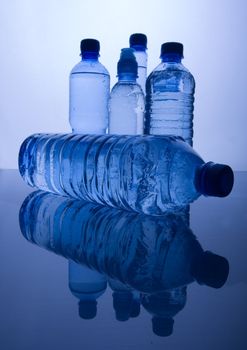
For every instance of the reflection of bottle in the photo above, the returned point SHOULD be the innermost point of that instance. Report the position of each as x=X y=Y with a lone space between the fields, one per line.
x=148 y=174
x=87 y=285
x=126 y=301
x=162 y=253
x=164 y=306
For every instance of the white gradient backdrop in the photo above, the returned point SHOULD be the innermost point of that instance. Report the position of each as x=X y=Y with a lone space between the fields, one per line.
x=40 y=44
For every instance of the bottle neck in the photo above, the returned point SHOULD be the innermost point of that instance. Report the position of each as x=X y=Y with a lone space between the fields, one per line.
x=93 y=56
x=214 y=179
x=140 y=48
x=127 y=77
x=171 y=57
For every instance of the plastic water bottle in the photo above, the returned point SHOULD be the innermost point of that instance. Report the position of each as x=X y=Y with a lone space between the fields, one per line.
x=138 y=42
x=148 y=174
x=126 y=300
x=163 y=307
x=162 y=253
x=89 y=91
x=127 y=103
x=170 y=96
x=87 y=285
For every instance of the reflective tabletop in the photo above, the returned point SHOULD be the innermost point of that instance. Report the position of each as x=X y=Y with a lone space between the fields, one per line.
x=75 y=275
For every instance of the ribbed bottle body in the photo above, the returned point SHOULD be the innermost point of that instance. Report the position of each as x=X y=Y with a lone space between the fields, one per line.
x=129 y=247
x=148 y=174
x=170 y=101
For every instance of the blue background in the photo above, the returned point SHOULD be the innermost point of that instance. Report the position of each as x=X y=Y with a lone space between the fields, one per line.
x=40 y=44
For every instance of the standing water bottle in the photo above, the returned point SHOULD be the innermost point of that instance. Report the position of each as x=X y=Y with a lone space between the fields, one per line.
x=89 y=91
x=138 y=42
x=170 y=96
x=144 y=173
x=127 y=104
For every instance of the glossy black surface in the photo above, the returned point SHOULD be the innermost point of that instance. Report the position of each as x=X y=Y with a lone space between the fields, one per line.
x=38 y=310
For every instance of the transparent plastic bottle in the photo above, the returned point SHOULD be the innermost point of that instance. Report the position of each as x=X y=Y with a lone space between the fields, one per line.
x=170 y=96
x=87 y=285
x=89 y=91
x=126 y=300
x=163 y=307
x=147 y=253
x=138 y=42
x=127 y=103
x=146 y=173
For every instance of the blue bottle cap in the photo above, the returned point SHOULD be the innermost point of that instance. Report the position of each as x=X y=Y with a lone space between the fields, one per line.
x=136 y=308
x=172 y=48
x=87 y=309
x=138 y=41
x=127 y=63
x=122 y=304
x=215 y=180
x=90 y=45
x=163 y=327
x=211 y=269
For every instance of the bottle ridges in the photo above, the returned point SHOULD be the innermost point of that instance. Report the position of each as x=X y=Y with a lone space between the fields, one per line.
x=103 y=239
x=143 y=173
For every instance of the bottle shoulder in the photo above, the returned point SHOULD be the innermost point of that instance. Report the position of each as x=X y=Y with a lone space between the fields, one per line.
x=89 y=66
x=127 y=88
x=168 y=70
x=168 y=67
